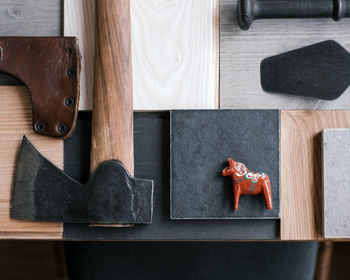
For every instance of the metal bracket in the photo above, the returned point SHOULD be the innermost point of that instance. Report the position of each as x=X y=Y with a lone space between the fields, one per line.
x=50 y=68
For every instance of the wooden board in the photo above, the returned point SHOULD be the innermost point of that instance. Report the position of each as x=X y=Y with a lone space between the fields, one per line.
x=301 y=170
x=241 y=53
x=175 y=52
x=16 y=120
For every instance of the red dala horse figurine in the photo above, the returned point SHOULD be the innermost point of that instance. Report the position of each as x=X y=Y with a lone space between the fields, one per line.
x=248 y=183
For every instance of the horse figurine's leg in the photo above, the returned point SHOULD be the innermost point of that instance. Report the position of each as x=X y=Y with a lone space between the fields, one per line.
x=237 y=194
x=266 y=188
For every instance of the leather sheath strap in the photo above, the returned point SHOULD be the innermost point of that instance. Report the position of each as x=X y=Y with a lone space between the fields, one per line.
x=50 y=68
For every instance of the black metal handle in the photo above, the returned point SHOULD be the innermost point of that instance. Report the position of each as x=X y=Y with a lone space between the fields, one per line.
x=249 y=10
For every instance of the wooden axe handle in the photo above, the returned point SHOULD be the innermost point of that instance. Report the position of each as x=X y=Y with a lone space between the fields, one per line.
x=112 y=118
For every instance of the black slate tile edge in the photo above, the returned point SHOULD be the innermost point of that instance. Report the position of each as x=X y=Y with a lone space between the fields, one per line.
x=259 y=230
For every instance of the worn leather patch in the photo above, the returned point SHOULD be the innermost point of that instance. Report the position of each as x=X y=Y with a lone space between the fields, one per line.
x=50 y=68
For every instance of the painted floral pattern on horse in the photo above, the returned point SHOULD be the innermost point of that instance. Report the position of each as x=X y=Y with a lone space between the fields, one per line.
x=254 y=177
x=248 y=183
x=243 y=171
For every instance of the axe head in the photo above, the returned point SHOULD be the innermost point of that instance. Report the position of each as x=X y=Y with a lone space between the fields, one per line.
x=43 y=192
x=320 y=71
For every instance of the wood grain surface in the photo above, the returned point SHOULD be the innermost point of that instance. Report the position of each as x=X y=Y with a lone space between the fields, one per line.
x=324 y=261
x=301 y=170
x=175 y=52
x=241 y=53
x=16 y=120
x=112 y=118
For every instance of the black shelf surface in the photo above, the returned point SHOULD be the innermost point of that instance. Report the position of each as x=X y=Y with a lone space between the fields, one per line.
x=152 y=161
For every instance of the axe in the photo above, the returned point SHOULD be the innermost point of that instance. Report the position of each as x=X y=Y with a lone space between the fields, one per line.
x=43 y=192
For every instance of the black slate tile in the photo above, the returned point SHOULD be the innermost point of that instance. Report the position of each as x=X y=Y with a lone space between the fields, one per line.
x=201 y=143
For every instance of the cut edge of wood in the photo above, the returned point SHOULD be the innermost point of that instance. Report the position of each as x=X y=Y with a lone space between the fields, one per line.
x=31 y=236
x=216 y=47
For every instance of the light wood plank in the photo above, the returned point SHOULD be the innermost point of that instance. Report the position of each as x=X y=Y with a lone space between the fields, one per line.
x=175 y=52
x=301 y=170
x=242 y=52
x=16 y=120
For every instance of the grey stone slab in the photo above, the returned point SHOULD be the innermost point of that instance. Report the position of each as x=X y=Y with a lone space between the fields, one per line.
x=152 y=161
x=202 y=141
x=336 y=182
x=29 y=18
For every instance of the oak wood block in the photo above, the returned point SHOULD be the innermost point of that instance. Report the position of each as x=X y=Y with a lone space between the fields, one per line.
x=15 y=121
x=301 y=170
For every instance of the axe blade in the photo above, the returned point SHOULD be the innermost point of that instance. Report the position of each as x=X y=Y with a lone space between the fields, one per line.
x=43 y=192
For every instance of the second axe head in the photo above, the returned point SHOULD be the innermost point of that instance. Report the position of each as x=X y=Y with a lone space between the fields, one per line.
x=112 y=139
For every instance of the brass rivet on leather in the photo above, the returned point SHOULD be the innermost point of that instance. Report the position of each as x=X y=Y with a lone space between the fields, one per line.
x=40 y=127
x=69 y=101
x=61 y=128
x=71 y=72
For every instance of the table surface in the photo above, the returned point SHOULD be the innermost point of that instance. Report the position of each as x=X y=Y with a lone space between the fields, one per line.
x=176 y=66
